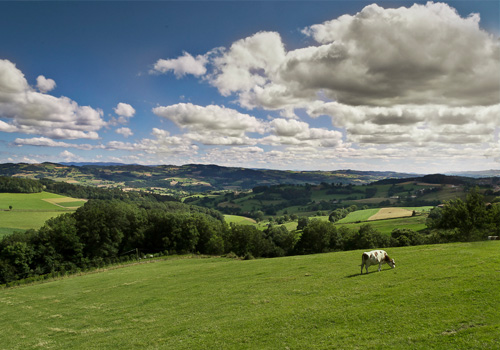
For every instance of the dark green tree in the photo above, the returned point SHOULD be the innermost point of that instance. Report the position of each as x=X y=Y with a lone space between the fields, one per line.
x=318 y=237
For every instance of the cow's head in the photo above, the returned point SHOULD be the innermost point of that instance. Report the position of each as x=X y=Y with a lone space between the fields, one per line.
x=391 y=263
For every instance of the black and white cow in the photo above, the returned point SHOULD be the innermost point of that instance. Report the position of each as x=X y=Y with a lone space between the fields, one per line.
x=376 y=257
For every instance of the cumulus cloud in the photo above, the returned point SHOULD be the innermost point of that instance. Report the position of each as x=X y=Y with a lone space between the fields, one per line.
x=45 y=85
x=124 y=110
x=125 y=132
x=297 y=133
x=410 y=75
x=421 y=54
x=249 y=62
x=220 y=120
x=47 y=142
x=182 y=65
x=69 y=157
x=417 y=124
x=30 y=112
x=161 y=144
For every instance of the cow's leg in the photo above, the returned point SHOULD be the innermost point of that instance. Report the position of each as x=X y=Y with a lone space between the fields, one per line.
x=362 y=268
x=379 y=267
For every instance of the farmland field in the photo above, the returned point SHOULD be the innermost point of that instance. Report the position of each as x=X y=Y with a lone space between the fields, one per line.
x=415 y=223
x=448 y=300
x=390 y=213
x=359 y=215
x=373 y=214
x=240 y=220
x=32 y=210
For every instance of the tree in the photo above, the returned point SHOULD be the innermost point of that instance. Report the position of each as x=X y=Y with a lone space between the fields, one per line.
x=303 y=221
x=283 y=240
x=101 y=226
x=246 y=240
x=406 y=237
x=57 y=244
x=366 y=238
x=16 y=256
x=318 y=237
x=470 y=217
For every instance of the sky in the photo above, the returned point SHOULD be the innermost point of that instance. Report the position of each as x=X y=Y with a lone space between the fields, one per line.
x=292 y=85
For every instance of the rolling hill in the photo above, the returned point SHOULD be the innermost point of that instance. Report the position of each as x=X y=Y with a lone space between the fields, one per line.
x=190 y=177
x=445 y=299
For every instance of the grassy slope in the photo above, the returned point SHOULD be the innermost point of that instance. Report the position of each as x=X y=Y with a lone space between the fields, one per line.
x=359 y=215
x=29 y=201
x=416 y=223
x=240 y=220
x=448 y=299
x=30 y=210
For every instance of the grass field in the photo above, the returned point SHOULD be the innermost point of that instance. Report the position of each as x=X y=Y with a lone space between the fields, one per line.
x=373 y=214
x=449 y=299
x=240 y=220
x=359 y=215
x=415 y=223
x=31 y=210
x=390 y=213
x=30 y=201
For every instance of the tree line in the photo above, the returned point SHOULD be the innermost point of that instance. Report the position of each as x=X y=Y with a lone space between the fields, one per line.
x=19 y=185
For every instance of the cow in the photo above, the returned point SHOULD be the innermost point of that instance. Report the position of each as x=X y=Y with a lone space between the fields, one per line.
x=376 y=257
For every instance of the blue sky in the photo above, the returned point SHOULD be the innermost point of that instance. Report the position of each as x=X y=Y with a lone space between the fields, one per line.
x=305 y=85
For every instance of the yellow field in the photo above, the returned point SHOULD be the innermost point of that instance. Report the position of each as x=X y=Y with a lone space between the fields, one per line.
x=390 y=213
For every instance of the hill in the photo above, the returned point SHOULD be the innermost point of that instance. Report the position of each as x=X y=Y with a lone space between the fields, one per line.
x=190 y=177
x=307 y=200
x=445 y=300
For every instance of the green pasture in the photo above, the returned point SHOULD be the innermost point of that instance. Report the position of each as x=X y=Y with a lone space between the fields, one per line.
x=29 y=201
x=365 y=214
x=30 y=210
x=11 y=221
x=447 y=193
x=386 y=226
x=240 y=220
x=447 y=299
x=358 y=215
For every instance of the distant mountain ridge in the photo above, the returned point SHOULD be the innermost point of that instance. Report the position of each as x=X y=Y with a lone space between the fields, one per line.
x=192 y=177
x=477 y=174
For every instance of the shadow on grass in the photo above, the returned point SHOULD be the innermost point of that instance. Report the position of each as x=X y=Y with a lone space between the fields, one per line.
x=359 y=275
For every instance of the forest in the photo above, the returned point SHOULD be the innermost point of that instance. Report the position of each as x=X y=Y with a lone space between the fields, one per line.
x=18 y=185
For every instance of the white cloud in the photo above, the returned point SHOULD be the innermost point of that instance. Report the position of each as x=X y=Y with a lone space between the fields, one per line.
x=416 y=82
x=125 y=132
x=161 y=145
x=293 y=132
x=45 y=85
x=422 y=54
x=182 y=65
x=32 y=112
x=124 y=110
x=69 y=157
x=220 y=120
x=249 y=62
x=404 y=75
x=46 y=142
x=416 y=124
